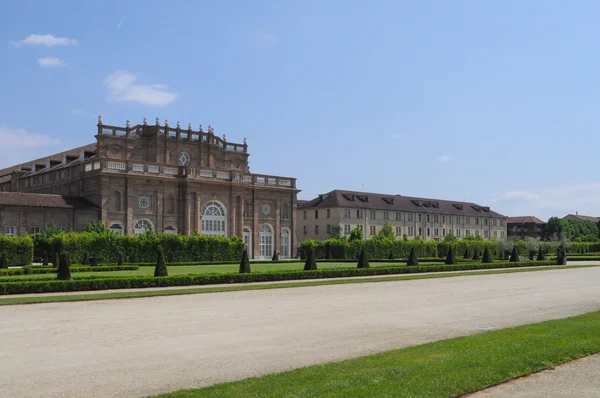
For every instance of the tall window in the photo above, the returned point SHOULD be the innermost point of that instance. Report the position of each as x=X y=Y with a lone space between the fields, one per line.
x=247 y=208
x=411 y=231
x=398 y=231
x=266 y=241
x=347 y=213
x=304 y=214
x=142 y=226
x=449 y=219
x=428 y=219
x=386 y=215
x=305 y=230
x=410 y=217
x=214 y=219
x=372 y=229
x=10 y=230
x=285 y=211
x=398 y=216
x=328 y=213
x=316 y=214
x=419 y=217
x=428 y=232
x=420 y=231
x=117 y=200
x=347 y=228
x=359 y=214
x=373 y=214
x=285 y=243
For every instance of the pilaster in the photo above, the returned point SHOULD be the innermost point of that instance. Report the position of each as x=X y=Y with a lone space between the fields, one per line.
x=255 y=232
x=277 y=232
x=197 y=213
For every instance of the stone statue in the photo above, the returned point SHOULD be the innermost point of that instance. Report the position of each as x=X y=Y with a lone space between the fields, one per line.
x=210 y=129
x=127 y=123
x=201 y=129
x=145 y=121
x=99 y=119
x=157 y=121
x=190 y=126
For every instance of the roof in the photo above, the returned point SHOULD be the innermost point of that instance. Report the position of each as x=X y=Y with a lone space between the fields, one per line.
x=43 y=200
x=350 y=199
x=524 y=219
x=582 y=218
x=57 y=157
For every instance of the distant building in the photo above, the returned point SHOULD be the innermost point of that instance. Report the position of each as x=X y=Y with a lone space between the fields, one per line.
x=579 y=217
x=526 y=226
x=430 y=219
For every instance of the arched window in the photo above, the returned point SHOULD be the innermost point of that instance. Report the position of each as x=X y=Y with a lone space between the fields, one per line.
x=285 y=243
x=117 y=228
x=142 y=225
x=117 y=201
x=266 y=241
x=285 y=211
x=214 y=219
x=171 y=204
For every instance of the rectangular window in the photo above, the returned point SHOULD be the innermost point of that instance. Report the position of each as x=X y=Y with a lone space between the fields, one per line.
x=467 y=221
x=486 y=234
x=373 y=214
x=304 y=215
x=443 y=231
x=476 y=232
x=316 y=214
x=347 y=213
x=420 y=231
x=428 y=233
x=494 y=222
x=443 y=219
x=359 y=214
x=458 y=220
x=501 y=234
x=328 y=229
x=427 y=217
x=436 y=218
x=485 y=221
x=34 y=230
x=436 y=232
x=328 y=213
x=372 y=230
x=495 y=234
x=386 y=215
x=467 y=232
x=11 y=231
x=398 y=231
x=477 y=220
x=458 y=233
x=410 y=217
x=419 y=217
x=347 y=228
x=502 y=222
x=316 y=230
x=360 y=227
x=449 y=219
x=305 y=230
x=398 y=216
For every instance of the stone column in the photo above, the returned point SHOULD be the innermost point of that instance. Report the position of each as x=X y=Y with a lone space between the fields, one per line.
x=293 y=233
x=240 y=218
x=231 y=220
x=255 y=232
x=159 y=209
x=187 y=216
x=197 y=213
x=277 y=232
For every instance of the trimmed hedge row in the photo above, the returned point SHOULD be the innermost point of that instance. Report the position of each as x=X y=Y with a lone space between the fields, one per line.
x=50 y=270
x=17 y=249
x=583 y=258
x=48 y=286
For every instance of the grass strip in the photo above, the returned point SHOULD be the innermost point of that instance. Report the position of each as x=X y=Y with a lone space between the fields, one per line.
x=235 y=288
x=442 y=369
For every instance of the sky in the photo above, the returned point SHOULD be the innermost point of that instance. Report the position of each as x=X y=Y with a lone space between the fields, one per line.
x=492 y=102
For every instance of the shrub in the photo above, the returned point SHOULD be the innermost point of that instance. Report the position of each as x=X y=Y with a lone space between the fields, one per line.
x=310 y=264
x=94 y=261
x=64 y=273
x=17 y=249
x=540 y=256
x=450 y=258
x=245 y=263
x=86 y=259
x=45 y=260
x=475 y=254
x=161 y=268
x=4 y=261
x=363 y=262
x=413 y=261
x=514 y=257
x=467 y=253
x=121 y=259
x=487 y=258
x=391 y=256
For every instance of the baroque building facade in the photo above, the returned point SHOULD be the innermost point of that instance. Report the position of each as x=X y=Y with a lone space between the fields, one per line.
x=341 y=211
x=172 y=180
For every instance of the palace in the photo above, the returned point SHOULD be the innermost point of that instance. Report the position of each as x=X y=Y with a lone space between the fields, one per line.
x=156 y=177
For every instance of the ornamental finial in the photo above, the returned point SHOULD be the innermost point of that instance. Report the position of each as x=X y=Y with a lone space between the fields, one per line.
x=178 y=124
x=210 y=129
x=145 y=121
x=127 y=123
x=201 y=129
x=157 y=121
x=224 y=137
x=99 y=119
x=166 y=123
x=245 y=142
x=190 y=126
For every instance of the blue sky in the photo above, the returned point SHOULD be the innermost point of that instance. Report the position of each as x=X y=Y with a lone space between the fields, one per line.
x=494 y=102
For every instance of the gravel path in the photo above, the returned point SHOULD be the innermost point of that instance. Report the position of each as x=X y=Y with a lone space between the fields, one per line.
x=131 y=348
x=577 y=379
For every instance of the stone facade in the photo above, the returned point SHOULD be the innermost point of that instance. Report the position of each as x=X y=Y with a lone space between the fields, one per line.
x=170 y=180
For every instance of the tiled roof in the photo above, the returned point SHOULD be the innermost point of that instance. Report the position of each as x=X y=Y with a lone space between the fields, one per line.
x=43 y=200
x=524 y=219
x=582 y=218
x=364 y=200
x=57 y=157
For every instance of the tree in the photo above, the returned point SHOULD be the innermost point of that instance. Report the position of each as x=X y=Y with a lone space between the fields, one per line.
x=96 y=226
x=475 y=254
x=4 y=261
x=363 y=262
x=450 y=238
x=514 y=257
x=553 y=227
x=540 y=256
x=310 y=264
x=245 y=262
x=356 y=234
x=64 y=271
x=387 y=231
x=487 y=258
x=275 y=256
x=450 y=258
x=161 y=267
x=412 y=258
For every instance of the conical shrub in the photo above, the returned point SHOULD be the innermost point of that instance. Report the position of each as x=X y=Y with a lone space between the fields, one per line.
x=475 y=254
x=514 y=257
x=161 y=267
x=412 y=258
x=487 y=257
x=245 y=262
x=85 y=260
x=275 y=256
x=540 y=256
x=363 y=261
x=467 y=253
x=310 y=264
x=45 y=259
x=56 y=260
x=4 y=261
x=121 y=259
x=94 y=261
x=64 y=265
x=391 y=255
x=531 y=255
x=450 y=257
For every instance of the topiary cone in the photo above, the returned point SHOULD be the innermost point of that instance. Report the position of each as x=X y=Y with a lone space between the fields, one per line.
x=86 y=259
x=363 y=262
x=540 y=256
x=45 y=260
x=121 y=259
x=475 y=254
x=64 y=272
x=450 y=257
x=161 y=268
x=310 y=264
x=3 y=261
x=487 y=258
x=467 y=253
x=56 y=260
x=412 y=258
x=245 y=263
x=94 y=261
x=514 y=257
x=391 y=256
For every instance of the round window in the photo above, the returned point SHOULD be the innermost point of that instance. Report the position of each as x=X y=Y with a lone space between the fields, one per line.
x=144 y=202
x=184 y=158
x=266 y=209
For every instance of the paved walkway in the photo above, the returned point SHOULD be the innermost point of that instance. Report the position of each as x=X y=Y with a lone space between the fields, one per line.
x=136 y=348
x=264 y=283
x=577 y=379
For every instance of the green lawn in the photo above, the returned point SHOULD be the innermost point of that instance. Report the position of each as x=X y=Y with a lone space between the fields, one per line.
x=441 y=369
x=202 y=269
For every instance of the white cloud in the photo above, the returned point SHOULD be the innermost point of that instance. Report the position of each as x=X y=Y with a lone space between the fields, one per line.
x=444 y=159
x=518 y=195
x=76 y=111
x=49 y=62
x=120 y=23
x=20 y=145
x=121 y=88
x=46 y=40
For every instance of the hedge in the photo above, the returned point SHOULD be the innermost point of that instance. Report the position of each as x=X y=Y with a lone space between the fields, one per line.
x=142 y=248
x=50 y=270
x=48 y=286
x=18 y=249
